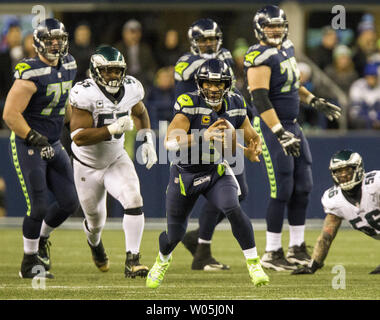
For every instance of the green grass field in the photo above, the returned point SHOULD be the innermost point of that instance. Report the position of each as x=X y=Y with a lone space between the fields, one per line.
x=76 y=277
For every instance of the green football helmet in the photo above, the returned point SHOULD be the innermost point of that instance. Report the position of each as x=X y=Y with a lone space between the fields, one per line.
x=343 y=159
x=105 y=58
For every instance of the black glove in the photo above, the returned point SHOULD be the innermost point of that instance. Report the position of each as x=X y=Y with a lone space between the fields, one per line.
x=309 y=269
x=331 y=111
x=39 y=141
x=289 y=142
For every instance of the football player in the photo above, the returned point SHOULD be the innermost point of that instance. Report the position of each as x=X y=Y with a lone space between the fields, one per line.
x=206 y=39
x=273 y=81
x=355 y=197
x=200 y=172
x=35 y=110
x=103 y=107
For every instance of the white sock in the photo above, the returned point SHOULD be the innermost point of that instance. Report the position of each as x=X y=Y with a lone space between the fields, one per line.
x=92 y=237
x=273 y=241
x=133 y=229
x=31 y=245
x=204 y=241
x=250 y=253
x=45 y=230
x=165 y=258
x=296 y=235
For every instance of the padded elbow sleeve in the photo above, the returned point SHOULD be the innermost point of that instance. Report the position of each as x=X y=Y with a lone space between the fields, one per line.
x=261 y=100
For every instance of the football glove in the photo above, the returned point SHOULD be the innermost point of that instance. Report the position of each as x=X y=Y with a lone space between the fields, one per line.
x=331 y=111
x=148 y=151
x=35 y=139
x=309 y=269
x=121 y=125
x=289 y=142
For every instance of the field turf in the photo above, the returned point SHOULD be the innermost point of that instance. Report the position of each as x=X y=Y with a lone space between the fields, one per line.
x=77 y=278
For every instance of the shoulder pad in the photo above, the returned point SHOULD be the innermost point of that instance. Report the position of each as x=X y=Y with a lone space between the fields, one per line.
x=30 y=68
x=224 y=54
x=136 y=85
x=69 y=62
x=258 y=55
x=184 y=100
x=183 y=70
x=288 y=44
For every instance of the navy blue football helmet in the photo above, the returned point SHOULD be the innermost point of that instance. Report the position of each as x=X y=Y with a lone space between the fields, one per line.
x=201 y=30
x=51 y=39
x=217 y=72
x=271 y=16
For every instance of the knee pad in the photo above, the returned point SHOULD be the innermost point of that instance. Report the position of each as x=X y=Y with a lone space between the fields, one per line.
x=133 y=211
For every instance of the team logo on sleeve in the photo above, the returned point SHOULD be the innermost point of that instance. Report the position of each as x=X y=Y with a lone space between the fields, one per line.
x=206 y=120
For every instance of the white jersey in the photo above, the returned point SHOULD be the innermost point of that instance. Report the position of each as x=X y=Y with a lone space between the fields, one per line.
x=86 y=95
x=365 y=216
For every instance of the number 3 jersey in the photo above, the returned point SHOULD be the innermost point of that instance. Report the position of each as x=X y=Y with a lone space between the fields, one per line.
x=366 y=216
x=105 y=109
x=284 y=79
x=46 y=109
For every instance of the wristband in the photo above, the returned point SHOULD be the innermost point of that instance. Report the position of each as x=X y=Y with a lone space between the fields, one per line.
x=314 y=265
x=278 y=129
x=172 y=145
x=309 y=98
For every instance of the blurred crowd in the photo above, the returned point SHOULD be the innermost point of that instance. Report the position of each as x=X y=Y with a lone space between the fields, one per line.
x=353 y=68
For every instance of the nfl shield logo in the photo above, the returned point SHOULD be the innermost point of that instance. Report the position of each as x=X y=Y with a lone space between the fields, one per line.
x=99 y=103
x=30 y=152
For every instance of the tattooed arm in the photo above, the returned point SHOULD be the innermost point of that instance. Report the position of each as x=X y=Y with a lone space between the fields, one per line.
x=329 y=231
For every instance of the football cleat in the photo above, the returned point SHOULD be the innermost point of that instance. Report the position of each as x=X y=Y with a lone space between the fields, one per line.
x=133 y=267
x=204 y=261
x=376 y=271
x=275 y=260
x=258 y=276
x=190 y=241
x=99 y=257
x=157 y=273
x=44 y=252
x=298 y=255
x=32 y=266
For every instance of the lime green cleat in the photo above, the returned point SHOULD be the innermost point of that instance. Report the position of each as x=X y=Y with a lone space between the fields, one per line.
x=258 y=276
x=157 y=272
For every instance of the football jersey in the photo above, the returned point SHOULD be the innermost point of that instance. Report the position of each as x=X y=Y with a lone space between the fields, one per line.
x=201 y=116
x=366 y=216
x=187 y=66
x=46 y=109
x=86 y=95
x=284 y=79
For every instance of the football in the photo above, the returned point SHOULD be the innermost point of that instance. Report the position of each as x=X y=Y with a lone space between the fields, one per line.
x=228 y=147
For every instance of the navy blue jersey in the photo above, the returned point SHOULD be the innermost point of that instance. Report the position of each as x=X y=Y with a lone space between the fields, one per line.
x=201 y=116
x=46 y=109
x=187 y=66
x=284 y=80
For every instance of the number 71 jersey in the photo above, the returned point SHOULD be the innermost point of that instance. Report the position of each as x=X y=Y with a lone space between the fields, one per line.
x=366 y=216
x=105 y=109
x=284 y=79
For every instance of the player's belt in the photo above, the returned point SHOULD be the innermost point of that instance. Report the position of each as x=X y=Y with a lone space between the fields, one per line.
x=81 y=162
x=289 y=121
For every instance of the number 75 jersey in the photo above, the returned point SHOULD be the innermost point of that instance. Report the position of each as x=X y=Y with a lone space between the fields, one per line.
x=284 y=78
x=105 y=109
x=364 y=217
